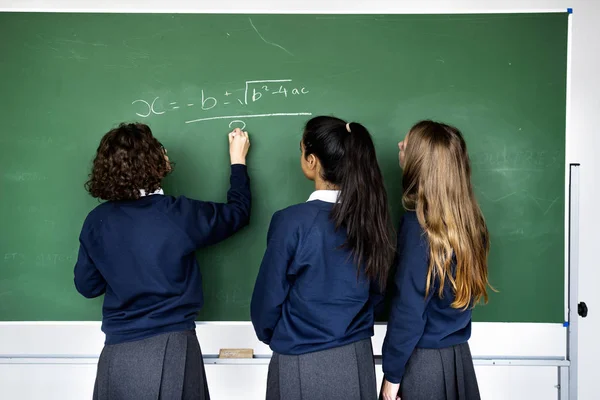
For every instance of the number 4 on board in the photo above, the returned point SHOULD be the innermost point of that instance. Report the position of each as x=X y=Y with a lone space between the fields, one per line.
x=281 y=90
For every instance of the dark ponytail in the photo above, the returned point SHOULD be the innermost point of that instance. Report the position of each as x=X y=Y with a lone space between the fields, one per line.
x=348 y=160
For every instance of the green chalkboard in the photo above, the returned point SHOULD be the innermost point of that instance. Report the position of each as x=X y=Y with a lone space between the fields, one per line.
x=66 y=79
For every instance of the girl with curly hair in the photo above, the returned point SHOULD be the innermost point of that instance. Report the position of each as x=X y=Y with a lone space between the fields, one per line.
x=138 y=249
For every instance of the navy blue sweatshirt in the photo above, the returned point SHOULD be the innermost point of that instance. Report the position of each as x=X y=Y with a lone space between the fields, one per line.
x=308 y=296
x=416 y=321
x=141 y=254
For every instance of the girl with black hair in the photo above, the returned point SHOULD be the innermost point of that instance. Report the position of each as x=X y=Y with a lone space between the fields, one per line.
x=323 y=270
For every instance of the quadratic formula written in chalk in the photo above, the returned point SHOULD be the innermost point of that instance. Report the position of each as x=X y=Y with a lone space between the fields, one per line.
x=253 y=92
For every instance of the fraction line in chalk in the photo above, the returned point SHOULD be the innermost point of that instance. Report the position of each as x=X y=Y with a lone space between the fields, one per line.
x=249 y=116
x=270 y=81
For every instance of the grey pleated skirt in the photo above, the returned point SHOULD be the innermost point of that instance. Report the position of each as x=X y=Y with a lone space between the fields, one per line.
x=166 y=367
x=440 y=374
x=346 y=372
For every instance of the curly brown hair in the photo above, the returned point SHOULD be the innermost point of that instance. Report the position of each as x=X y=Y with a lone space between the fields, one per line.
x=128 y=159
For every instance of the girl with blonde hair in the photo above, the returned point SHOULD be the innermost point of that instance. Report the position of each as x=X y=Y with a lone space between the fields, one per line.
x=443 y=246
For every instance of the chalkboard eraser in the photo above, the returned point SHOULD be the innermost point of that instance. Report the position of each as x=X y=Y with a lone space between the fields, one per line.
x=236 y=353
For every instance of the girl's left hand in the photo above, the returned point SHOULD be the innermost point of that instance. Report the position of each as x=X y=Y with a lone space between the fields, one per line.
x=389 y=391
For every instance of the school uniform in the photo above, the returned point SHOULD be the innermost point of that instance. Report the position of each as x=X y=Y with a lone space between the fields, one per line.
x=425 y=348
x=141 y=255
x=314 y=308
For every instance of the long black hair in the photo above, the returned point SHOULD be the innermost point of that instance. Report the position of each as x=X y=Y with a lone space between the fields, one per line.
x=348 y=160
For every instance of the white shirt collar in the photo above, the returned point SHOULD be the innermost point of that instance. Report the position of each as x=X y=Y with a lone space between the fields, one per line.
x=158 y=191
x=328 y=196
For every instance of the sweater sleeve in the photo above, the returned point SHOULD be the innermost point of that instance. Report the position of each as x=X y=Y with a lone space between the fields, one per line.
x=272 y=284
x=407 y=316
x=208 y=223
x=376 y=298
x=88 y=280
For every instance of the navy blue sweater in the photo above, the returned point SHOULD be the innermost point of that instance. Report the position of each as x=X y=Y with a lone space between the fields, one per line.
x=416 y=321
x=141 y=253
x=308 y=296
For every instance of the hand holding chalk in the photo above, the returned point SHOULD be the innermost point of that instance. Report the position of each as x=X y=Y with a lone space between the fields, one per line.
x=239 y=143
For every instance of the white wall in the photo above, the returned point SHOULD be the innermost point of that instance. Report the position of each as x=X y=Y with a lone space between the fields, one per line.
x=57 y=360
x=71 y=379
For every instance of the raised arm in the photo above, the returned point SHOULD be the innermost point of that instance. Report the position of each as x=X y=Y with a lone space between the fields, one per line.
x=208 y=223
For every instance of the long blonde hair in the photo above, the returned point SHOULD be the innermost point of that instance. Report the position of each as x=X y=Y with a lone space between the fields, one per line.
x=437 y=185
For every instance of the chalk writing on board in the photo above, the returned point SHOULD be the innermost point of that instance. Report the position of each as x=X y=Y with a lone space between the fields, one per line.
x=235 y=121
x=37 y=208
x=234 y=296
x=14 y=257
x=31 y=209
x=268 y=86
x=253 y=92
x=52 y=259
x=524 y=199
x=20 y=176
x=522 y=160
x=34 y=141
x=41 y=259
